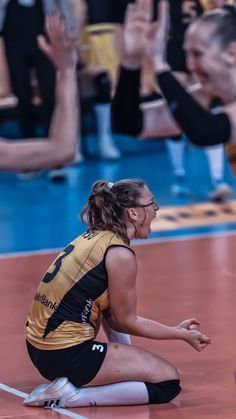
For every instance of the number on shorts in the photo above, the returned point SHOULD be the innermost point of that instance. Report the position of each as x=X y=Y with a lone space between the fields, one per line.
x=97 y=347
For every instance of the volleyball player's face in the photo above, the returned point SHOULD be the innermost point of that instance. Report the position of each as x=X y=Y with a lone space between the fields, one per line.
x=146 y=213
x=204 y=57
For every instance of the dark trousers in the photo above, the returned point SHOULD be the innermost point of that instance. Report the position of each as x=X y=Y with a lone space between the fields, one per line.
x=21 y=58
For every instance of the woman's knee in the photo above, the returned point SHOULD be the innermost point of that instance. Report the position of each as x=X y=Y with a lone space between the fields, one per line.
x=171 y=372
x=163 y=371
x=163 y=392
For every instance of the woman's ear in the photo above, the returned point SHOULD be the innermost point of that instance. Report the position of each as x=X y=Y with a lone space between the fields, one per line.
x=230 y=54
x=132 y=214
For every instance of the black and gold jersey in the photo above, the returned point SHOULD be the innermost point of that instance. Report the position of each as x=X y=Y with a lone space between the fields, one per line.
x=209 y=4
x=73 y=292
x=101 y=11
x=106 y=11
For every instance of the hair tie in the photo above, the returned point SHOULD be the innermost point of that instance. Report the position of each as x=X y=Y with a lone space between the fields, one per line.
x=110 y=185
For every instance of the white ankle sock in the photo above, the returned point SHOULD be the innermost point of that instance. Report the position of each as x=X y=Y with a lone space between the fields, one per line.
x=106 y=140
x=176 y=150
x=118 y=394
x=215 y=158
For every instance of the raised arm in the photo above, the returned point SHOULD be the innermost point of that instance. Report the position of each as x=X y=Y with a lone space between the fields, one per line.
x=200 y=125
x=179 y=111
x=122 y=315
x=128 y=116
x=60 y=147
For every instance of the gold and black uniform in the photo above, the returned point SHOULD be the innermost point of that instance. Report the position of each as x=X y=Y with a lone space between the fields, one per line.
x=99 y=36
x=65 y=312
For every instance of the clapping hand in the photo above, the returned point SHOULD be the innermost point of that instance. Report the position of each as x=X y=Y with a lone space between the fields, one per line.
x=142 y=37
x=160 y=37
x=138 y=32
x=61 y=48
x=193 y=335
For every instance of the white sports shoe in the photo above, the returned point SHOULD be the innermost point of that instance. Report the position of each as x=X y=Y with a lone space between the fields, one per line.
x=56 y=393
x=109 y=152
x=179 y=186
x=57 y=175
x=220 y=192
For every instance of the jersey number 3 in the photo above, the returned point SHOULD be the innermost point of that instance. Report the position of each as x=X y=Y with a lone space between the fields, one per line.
x=48 y=277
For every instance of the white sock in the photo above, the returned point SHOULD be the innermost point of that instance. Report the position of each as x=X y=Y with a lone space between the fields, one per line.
x=176 y=150
x=118 y=394
x=215 y=156
x=103 y=115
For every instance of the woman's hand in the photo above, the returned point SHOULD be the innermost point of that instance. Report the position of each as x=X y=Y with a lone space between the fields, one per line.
x=61 y=48
x=159 y=37
x=192 y=335
x=190 y=324
x=196 y=339
x=142 y=37
x=136 y=30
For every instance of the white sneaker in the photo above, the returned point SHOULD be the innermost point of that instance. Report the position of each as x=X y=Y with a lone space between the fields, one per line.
x=220 y=192
x=55 y=393
x=110 y=152
x=57 y=175
x=179 y=186
x=79 y=158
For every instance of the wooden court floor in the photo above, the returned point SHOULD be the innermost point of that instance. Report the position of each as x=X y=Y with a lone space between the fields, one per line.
x=176 y=280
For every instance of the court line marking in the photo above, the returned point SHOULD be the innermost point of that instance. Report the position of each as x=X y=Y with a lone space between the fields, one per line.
x=13 y=391
x=56 y=408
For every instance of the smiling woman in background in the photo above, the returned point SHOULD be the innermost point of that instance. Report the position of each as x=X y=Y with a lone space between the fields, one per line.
x=210 y=46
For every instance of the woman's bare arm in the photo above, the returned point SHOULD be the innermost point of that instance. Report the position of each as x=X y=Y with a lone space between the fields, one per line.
x=122 y=315
x=60 y=146
x=158 y=120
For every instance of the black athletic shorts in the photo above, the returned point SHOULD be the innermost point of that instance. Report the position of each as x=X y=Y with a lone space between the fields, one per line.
x=80 y=363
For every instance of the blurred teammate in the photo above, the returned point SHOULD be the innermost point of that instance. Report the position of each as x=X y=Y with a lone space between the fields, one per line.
x=182 y=13
x=155 y=120
x=21 y=21
x=100 y=59
x=60 y=146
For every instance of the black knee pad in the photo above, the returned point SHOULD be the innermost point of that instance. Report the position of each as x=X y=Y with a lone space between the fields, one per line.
x=103 y=88
x=163 y=392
